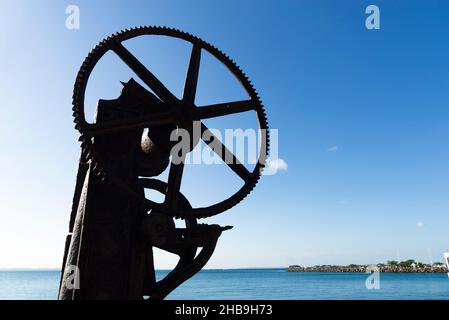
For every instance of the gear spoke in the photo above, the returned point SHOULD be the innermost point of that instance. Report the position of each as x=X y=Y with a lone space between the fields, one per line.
x=150 y=79
x=174 y=184
x=192 y=75
x=147 y=121
x=226 y=155
x=222 y=109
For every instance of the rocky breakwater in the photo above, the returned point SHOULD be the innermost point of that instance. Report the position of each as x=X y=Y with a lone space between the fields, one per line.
x=408 y=266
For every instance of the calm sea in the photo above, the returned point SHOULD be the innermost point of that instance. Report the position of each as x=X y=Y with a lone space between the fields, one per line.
x=255 y=284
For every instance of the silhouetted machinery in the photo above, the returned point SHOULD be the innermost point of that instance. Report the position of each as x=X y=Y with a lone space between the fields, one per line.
x=113 y=225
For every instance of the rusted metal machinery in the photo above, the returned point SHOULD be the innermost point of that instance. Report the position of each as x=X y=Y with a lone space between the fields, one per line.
x=113 y=225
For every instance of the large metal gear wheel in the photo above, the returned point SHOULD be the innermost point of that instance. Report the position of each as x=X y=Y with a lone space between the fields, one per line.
x=89 y=130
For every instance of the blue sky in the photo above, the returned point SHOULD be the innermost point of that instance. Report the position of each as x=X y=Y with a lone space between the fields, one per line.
x=362 y=115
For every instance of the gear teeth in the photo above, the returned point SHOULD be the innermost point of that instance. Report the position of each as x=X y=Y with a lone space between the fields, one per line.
x=88 y=154
x=84 y=145
x=83 y=156
x=99 y=172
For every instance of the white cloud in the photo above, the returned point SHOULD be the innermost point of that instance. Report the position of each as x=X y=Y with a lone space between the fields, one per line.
x=277 y=165
x=420 y=224
x=332 y=149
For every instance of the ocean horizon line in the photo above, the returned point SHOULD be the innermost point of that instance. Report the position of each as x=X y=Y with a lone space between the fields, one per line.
x=162 y=269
